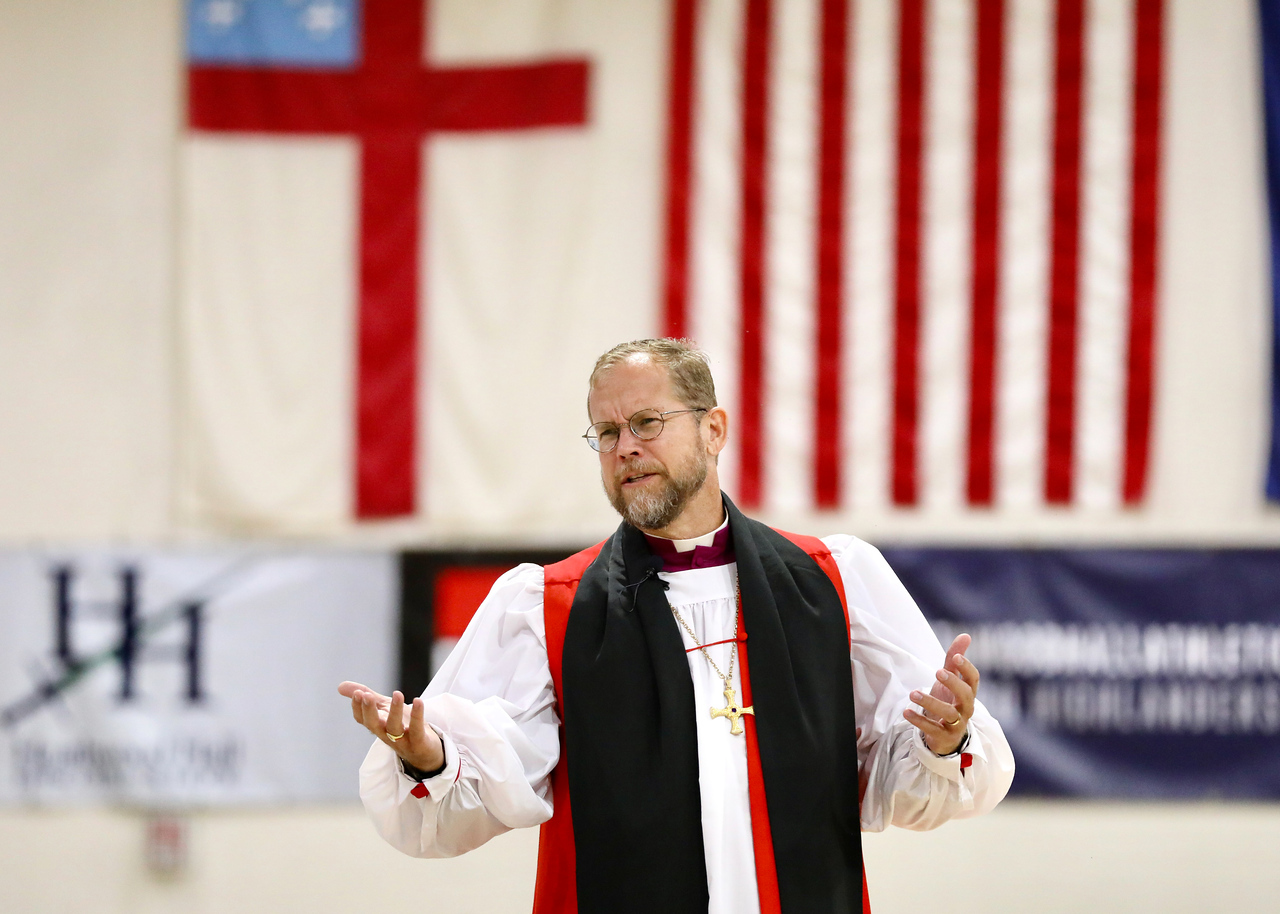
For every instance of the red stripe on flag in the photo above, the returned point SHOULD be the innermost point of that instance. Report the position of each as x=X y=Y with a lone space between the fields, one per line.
x=684 y=32
x=387 y=360
x=755 y=99
x=989 y=60
x=387 y=341
x=906 y=361
x=830 y=253
x=1147 y=60
x=1064 y=272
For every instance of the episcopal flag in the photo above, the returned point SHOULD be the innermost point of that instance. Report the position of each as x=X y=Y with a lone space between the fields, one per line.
x=919 y=241
x=319 y=67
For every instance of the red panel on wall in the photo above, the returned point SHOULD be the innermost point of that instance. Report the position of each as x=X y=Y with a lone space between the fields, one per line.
x=459 y=591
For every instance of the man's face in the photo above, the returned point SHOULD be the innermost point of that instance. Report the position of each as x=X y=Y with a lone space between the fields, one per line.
x=648 y=482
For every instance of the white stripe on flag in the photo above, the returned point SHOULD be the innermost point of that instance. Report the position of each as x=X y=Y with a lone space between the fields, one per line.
x=870 y=290
x=713 y=303
x=1024 y=263
x=789 y=261
x=1104 y=246
x=946 y=263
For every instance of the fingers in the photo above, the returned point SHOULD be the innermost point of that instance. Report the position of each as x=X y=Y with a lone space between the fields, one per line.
x=935 y=733
x=395 y=718
x=347 y=688
x=423 y=748
x=927 y=725
x=937 y=709
x=370 y=716
x=944 y=713
x=386 y=716
x=351 y=690
x=359 y=697
x=957 y=681
x=941 y=738
x=968 y=672
x=959 y=677
x=959 y=645
x=418 y=722
x=961 y=692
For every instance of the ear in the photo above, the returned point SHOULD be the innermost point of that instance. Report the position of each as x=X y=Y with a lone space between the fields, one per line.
x=715 y=430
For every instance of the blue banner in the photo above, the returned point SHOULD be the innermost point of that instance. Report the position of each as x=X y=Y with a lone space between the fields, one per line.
x=1119 y=673
x=1269 y=26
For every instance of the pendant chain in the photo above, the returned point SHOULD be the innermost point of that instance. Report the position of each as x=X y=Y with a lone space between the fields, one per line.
x=733 y=651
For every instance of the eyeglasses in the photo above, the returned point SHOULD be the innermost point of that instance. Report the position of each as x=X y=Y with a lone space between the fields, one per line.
x=645 y=425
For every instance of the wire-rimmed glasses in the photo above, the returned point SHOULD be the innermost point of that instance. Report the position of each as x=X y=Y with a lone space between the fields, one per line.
x=645 y=425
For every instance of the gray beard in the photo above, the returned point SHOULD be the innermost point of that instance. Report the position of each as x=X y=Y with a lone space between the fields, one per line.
x=653 y=511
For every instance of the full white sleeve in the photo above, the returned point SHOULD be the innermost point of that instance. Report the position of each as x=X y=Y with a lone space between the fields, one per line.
x=492 y=704
x=894 y=651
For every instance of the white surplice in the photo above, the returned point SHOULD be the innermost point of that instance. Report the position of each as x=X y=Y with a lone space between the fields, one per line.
x=493 y=705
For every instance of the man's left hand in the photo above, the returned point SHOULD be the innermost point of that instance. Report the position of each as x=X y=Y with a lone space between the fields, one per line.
x=949 y=704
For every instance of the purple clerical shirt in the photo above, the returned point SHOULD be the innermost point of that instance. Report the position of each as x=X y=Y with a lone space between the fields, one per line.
x=720 y=552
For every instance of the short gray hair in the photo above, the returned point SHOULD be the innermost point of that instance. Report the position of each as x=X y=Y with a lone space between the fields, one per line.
x=686 y=365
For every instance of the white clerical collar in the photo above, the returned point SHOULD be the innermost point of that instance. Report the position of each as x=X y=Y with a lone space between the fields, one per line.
x=690 y=544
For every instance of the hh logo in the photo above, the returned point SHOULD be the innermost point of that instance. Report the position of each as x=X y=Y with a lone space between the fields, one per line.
x=128 y=644
x=134 y=630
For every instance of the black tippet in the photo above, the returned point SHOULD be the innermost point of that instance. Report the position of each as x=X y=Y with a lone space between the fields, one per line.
x=632 y=741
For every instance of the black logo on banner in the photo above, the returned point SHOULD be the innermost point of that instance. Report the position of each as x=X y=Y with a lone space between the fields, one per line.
x=130 y=646
x=129 y=651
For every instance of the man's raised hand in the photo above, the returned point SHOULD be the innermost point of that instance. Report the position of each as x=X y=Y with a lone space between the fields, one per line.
x=384 y=717
x=949 y=704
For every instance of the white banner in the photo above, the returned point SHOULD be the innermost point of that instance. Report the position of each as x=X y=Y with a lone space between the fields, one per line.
x=187 y=678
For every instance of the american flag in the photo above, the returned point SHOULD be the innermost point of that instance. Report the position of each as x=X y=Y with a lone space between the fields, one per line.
x=922 y=238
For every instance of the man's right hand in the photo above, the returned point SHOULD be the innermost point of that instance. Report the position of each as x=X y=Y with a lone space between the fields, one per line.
x=384 y=717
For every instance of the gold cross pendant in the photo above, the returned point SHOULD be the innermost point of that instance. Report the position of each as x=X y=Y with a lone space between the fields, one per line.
x=732 y=711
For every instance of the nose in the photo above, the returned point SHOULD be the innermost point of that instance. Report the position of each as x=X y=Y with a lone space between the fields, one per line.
x=630 y=448
x=629 y=444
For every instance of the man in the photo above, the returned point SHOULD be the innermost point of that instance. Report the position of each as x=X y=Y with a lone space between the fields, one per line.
x=693 y=699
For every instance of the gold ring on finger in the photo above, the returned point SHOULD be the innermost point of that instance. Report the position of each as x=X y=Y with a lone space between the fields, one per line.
x=395 y=736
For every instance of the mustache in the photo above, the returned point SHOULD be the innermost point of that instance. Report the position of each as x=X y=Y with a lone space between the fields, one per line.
x=638 y=468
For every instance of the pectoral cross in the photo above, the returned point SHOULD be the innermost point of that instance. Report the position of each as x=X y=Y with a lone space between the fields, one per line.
x=732 y=711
